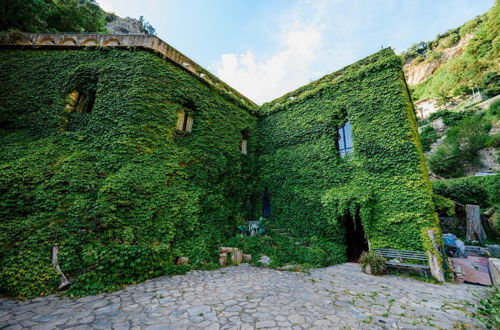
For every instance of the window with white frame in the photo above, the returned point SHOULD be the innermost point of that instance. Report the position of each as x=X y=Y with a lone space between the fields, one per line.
x=345 y=140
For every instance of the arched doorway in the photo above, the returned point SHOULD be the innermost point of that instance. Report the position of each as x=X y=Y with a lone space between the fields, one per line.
x=355 y=238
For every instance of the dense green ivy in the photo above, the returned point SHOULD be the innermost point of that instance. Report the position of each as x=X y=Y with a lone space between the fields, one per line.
x=123 y=193
x=119 y=190
x=385 y=182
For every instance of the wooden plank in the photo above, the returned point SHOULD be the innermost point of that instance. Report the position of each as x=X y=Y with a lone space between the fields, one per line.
x=417 y=253
x=402 y=254
x=401 y=264
x=405 y=255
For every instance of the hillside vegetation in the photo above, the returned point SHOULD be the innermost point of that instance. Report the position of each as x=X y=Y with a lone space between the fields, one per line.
x=457 y=61
x=469 y=133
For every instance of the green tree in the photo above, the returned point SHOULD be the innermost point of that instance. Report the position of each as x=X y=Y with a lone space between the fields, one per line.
x=51 y=16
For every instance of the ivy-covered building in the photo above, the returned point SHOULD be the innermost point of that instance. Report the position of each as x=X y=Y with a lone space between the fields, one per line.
x=126 y=155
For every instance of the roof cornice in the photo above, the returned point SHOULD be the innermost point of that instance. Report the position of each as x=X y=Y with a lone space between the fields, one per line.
x=127 y=41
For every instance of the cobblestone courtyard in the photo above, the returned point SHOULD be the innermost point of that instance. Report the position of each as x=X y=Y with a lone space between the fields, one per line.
x=246 y=297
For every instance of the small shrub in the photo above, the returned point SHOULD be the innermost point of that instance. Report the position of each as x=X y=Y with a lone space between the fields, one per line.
x=434 y=55
x=446 y=162
x=495 y=108
x=490 y=84
x=450 y=118
x=422 y=122
x=451 y=40
x=375 y=261
x=428 y=137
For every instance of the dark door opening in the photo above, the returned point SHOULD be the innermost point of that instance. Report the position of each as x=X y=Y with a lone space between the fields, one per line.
x=266 y=204
x=355 y=237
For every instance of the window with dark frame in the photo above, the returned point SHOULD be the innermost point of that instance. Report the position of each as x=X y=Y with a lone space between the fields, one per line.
x=244 y=142
x=184 y=122
x=86 y=101
x=345 y=140
x=81 y=102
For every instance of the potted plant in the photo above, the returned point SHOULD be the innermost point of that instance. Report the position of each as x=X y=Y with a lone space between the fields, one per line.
x=372 y=263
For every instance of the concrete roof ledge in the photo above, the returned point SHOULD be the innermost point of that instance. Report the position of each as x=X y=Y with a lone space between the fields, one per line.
x=148 y=42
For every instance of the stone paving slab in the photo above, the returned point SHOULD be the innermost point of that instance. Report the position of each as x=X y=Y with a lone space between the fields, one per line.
x=246 y=297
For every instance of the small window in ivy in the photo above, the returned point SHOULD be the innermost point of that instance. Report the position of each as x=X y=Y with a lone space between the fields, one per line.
x=244 y=142
x=345 y=140
x=184 y=122
x=81 y=102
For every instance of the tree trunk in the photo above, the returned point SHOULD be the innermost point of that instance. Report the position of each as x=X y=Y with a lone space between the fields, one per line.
x=475 y=231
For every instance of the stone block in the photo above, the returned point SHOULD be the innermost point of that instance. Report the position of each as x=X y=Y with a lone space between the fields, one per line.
x=494 y=266
x=222 y=260
x=227 y=249
x=237 y=257
x=183 y=261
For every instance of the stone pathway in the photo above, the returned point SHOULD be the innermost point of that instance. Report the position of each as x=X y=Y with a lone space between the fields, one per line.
x=246 y=297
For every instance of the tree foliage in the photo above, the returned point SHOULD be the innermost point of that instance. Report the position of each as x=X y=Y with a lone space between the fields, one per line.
x=460 y=149
x=428 y=136
x=51 y=16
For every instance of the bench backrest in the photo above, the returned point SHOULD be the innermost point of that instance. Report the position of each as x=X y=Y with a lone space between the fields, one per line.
x=403 y=254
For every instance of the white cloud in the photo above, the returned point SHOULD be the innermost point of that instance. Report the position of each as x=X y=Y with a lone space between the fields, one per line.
x=289 y=68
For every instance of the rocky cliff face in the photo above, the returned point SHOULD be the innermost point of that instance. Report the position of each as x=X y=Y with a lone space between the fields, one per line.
x=418 y=71
x=125 y=26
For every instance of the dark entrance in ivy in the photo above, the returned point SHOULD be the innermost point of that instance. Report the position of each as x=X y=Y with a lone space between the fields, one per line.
x=355 y=237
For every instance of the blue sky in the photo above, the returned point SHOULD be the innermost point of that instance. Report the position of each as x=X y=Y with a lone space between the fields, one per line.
x=265 y=48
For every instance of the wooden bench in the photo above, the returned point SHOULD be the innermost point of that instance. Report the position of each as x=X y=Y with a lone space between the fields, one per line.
x=406 y=255
x=476 y=250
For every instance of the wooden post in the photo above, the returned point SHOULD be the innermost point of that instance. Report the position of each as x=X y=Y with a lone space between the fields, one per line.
x=55 y=263
x=475 y=231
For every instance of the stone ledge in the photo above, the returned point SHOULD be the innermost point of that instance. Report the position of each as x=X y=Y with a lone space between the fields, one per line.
x=148 y=42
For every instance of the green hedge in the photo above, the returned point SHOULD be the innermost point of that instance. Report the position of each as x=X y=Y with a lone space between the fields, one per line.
x=477 y=190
